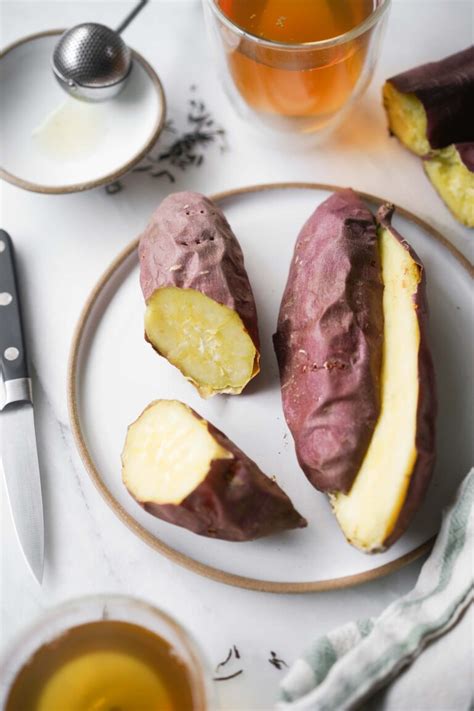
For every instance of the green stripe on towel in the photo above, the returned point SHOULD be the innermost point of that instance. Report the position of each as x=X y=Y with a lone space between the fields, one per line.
x=346 y=666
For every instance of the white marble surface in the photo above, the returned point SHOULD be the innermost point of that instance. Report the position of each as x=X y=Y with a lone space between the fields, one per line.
x=63 y=245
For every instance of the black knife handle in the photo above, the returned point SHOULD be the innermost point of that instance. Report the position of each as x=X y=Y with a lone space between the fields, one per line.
x=13 y=361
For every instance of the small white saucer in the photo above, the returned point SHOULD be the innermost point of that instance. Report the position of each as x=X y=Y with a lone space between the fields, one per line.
x=51 y=143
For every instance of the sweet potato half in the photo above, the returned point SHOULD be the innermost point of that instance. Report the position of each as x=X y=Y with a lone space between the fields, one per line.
x=183 y=470
x=451 y=171
x=329 y=341
x=200 y=310
x=356 y=372
x=392 y=480
x=432 y=106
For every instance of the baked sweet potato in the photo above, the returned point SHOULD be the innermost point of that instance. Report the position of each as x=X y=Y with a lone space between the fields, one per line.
x=432 y=106
x=329 y=341
x=183 y=470
x=451 y=171
x=200 y=310
x=392 y=480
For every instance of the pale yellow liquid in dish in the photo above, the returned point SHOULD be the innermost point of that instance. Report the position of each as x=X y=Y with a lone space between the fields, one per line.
x=72 y=131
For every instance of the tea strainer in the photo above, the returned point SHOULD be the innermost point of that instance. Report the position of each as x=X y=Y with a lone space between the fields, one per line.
x=91 y=61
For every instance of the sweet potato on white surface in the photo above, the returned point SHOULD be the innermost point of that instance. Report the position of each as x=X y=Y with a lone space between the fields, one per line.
x=329 y=341
x=432 y=106
x=200 y=313
x=183 y=470
x=356 y=372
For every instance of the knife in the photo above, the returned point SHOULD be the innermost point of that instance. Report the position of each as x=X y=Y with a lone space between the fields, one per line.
x=17 y=427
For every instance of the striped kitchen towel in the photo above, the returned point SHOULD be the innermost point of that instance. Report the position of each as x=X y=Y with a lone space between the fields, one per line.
x=348 y=665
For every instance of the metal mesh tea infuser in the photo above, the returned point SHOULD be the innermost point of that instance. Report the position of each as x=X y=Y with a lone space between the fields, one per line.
x=92 y=62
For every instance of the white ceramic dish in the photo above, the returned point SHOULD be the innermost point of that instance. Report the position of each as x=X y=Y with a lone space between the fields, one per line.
x=114 y=374
x=54 y=144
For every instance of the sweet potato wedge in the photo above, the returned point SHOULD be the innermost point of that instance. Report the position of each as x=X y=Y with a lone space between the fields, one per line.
x=183 y=470
x=451 y=171
x=432 y=106
x=392 y=480
x=200 y=310
x=329 y=341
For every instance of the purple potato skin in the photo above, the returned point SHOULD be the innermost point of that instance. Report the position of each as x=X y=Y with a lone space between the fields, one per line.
x=446 y=90
x=466 y=154
x=189 y=244
x=427 y=402
x=329 y=341
x=235 y=502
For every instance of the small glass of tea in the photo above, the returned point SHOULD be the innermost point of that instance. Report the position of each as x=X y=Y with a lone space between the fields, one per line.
x=105 y=654
x=295 y=65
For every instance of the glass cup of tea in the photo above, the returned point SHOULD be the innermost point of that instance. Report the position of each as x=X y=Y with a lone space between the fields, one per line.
x=295 y=65
x=105 y=652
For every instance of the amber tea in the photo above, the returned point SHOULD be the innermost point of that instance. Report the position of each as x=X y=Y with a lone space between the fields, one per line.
x=296 y=82
x=103 y=666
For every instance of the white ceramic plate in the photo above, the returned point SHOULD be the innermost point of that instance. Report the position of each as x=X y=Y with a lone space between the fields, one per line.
x=114 y=374
x=54 y=144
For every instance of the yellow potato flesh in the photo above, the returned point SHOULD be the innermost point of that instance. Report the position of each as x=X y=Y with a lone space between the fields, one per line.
x=369 y=512
x=407 y=119
x=205 y=340
x=454 y=182
x=168 y=453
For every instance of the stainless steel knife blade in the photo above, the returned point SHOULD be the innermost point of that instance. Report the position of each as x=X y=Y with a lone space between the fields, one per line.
x=22 y=478
x=17 y=427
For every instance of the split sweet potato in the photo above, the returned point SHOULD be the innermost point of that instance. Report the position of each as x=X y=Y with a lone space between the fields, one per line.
x=200 y=310
x=183 y=470
x=432 y=106
x=451 y=171
x=329 y=341
x=356 y=372
x=393 y=477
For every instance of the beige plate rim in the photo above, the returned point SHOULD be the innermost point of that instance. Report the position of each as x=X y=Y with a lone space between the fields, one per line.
x=174 y=555
x=105 y=179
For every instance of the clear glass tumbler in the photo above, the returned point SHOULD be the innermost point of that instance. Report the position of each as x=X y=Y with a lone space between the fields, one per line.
x=296 y=88
x=59 y=620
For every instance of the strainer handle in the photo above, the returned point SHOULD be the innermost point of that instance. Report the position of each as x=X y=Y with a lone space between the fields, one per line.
x=131 y=16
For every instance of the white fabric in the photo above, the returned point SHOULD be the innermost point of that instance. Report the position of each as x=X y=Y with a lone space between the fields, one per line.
x=351 y=663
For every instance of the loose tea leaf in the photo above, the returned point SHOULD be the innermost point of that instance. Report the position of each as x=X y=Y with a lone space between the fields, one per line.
x=231 y=676
x=222 y=664
x=141 y=168
x=276 y=662
x=169 y=126
x=233 y=652
x=187 y=150
x=114 y=188
x=161 y=173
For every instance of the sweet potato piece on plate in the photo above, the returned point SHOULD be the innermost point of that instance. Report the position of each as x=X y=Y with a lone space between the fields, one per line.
x=392 y=480
x=200 y=311
x=356 y=372
x=183 y=470
x=329 y=341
